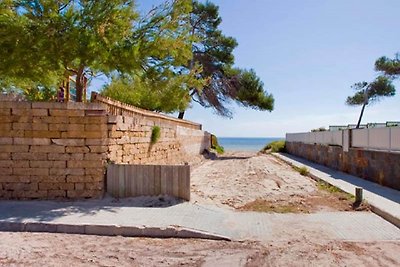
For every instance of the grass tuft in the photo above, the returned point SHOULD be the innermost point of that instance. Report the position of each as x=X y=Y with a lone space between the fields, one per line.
x=276 y=146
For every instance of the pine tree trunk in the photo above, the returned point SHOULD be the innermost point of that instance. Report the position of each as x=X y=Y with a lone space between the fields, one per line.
x=79 y=83
x=361 y=114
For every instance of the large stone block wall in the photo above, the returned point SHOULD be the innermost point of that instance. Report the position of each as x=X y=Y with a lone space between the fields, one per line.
x=377 y=166
x=61 y=150
x=52 y=150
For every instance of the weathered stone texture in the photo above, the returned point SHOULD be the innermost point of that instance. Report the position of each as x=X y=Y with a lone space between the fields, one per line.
x=377 y=166
x=60 y=150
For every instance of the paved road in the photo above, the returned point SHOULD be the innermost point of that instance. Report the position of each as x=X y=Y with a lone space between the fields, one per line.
x=355 y=226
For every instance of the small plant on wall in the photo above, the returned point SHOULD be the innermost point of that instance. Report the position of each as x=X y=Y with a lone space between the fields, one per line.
x=155 y=135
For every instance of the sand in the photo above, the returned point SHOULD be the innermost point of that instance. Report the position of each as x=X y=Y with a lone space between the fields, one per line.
x=241 y=181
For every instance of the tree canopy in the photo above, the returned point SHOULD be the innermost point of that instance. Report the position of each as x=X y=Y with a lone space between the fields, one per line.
x=382 y=86
x=213 y=51
x=43 y=41
x=161 y=61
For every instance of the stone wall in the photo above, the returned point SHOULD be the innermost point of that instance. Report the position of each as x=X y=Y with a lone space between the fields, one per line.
x=129 y=141
x=61 y=150
x=377 y=166
x=52 y=150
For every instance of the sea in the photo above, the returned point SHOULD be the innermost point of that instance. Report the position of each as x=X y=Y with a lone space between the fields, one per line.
x=245 y=143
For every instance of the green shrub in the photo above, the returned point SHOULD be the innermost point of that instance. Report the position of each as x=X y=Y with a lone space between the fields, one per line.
x=216 y=146
x=276 y=146
x=155 y=134
x=302 y=170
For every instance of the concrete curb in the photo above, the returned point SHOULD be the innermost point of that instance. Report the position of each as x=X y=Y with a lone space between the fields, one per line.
x=109 y=230
x=378 y=211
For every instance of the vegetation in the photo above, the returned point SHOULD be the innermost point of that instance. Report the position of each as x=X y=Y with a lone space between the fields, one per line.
x=382 y=86
x=274 y=147
x=322 y=185
x=213 y=53
x=320 y=129
x=302 y=170
x=155 y=135
x=216 y=146
x=261 y=205
x=161 y=61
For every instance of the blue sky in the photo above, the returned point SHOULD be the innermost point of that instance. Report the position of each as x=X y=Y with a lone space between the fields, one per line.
x=308 y=54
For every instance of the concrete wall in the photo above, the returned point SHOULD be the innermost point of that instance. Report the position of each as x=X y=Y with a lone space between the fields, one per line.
x=387 y=138
x=60 y=150
x=377 y=166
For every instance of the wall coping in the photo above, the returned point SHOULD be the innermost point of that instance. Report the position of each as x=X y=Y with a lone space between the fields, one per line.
x=96 y=98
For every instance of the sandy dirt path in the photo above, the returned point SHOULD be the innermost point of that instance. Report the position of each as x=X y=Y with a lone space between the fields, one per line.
x=41 y=249
x=243 y=180
x=235 y=181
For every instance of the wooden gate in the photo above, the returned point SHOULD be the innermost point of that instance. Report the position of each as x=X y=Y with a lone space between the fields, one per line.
x=148 y=180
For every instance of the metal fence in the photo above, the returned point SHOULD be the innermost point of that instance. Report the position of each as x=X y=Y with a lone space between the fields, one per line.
x=148 y=180
x=373 y=138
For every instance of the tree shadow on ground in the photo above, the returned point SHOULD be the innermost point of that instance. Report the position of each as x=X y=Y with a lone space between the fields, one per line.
x=18 y=211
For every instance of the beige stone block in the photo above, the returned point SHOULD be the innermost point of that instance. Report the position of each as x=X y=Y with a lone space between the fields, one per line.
x=21 y=119
x=84 y=164
x=96 y=142
x=51 y=194
x=47 y=149
x=67 y=171
x=6 y=119
x=36 y=194
x=51 y=120
x=42 y=134
x=74 y=127
x=98 y=172
x=40 y=112
x=76 y=179
x=49 y=186
x=94 y=186
x=14 y=148
x=28 y=156
x=67 y=113
x=58 y=126
x=67 y=186
x=77 y=149
x=6 y=141
x=95 y=156
x=47 y=164
x=95 y=178
x=49 y=105
x=94 y=127
x=86 y=120
x=21 y=186
x=79 y=186
x=5 y=156
x=40 y=127
x=14 y=164
x=31 y=171
x=6 y=171
x=22 y=126
x=115 y=134
x=69 y=142
x=31 y=141
x=65 y=156
x=98 y=149
x=5 y=111
x=78 y=194
x=23 y=179
x=5 y=126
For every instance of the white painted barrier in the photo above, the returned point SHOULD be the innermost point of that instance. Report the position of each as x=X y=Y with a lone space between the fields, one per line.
x=373 y=138
x=325 y=138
